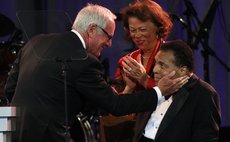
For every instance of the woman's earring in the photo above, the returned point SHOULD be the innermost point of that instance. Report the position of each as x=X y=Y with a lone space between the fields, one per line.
x=157 y=36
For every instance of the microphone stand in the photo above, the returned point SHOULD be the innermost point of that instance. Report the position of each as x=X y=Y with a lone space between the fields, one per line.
x=64 y=69
x=189 y=12
x=202 y=35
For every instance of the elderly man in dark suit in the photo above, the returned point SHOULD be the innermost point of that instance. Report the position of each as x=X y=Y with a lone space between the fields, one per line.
x=192 y=114
x=49 y=65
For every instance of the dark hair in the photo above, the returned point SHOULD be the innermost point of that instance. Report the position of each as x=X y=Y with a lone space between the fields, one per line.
x=182 y=52
x=146 y=10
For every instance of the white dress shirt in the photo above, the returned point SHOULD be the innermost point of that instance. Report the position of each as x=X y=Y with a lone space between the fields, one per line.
x=80 y=37
x=156 y=117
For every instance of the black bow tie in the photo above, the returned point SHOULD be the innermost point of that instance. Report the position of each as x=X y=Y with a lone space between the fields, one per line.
x=168 y=96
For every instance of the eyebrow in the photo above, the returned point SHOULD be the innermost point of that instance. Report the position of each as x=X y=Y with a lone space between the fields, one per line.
x=138 y=27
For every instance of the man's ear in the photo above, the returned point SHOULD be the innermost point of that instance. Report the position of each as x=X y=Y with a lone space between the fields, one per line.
x=91 y=29
x=183 y=70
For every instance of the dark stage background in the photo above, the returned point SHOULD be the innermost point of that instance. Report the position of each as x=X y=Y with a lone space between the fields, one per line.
x=197 y=14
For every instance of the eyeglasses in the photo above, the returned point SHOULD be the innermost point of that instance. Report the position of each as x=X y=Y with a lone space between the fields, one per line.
x=107 y=34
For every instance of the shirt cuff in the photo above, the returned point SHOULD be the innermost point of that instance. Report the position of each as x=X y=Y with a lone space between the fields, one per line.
x=159 y=95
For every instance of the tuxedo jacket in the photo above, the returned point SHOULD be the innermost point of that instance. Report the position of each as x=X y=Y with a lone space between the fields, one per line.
x=36 y=86
x=193 y=116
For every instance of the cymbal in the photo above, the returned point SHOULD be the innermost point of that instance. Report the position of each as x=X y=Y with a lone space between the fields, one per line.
x=6 y=25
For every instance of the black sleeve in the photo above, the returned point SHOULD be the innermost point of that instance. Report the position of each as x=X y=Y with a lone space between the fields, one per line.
x=92 y=86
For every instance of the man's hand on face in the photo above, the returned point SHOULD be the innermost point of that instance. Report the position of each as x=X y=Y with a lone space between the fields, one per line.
x=167 y=85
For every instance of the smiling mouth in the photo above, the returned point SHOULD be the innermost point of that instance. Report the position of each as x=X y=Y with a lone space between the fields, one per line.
x=139 y=42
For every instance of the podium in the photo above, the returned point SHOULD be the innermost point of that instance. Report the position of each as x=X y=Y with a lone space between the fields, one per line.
x=7 y=123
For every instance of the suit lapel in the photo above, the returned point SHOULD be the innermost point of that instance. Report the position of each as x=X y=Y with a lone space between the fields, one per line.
x=178 y=101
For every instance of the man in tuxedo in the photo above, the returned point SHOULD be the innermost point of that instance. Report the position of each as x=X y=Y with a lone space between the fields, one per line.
x=55 y=75
x=192 y=114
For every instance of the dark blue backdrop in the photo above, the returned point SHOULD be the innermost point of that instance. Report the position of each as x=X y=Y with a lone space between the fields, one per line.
x=218 y=41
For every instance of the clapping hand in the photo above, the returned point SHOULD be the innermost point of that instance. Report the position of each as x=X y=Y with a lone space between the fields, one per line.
x=134 y=69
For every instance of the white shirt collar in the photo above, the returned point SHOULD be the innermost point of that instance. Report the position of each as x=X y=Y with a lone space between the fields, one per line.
x=80 y=37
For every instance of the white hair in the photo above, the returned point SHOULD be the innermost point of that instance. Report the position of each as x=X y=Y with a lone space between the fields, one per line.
x=92 y=14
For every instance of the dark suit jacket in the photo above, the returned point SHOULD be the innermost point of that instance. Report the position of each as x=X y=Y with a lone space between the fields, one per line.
x=36 y=85
x=193 y=116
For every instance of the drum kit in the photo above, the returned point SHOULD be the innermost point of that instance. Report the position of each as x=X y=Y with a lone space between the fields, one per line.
x=85 y=128
x=8 y=51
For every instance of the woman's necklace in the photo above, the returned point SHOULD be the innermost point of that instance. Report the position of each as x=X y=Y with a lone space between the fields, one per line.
x=145 y=60
x=145 y=57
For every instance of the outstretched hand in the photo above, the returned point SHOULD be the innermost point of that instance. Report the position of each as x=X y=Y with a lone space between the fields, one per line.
x=167 y=85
